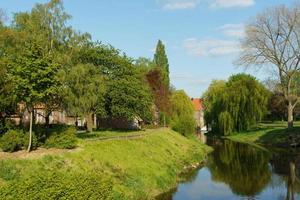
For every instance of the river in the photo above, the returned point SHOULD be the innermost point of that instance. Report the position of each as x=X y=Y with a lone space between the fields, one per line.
x=241 y=171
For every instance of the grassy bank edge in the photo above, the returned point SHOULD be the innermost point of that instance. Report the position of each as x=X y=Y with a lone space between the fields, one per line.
x=156 y=161
x=269 y=134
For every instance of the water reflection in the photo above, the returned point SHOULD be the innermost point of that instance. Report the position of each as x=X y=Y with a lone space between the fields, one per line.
x=240 y=171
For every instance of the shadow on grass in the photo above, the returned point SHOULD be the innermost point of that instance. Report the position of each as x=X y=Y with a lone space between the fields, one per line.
x=281 y=137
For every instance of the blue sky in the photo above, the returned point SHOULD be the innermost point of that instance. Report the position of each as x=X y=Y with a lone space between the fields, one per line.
x=201 y=36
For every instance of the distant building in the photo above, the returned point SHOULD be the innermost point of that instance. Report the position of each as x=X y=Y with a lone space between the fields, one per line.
x=198 y=113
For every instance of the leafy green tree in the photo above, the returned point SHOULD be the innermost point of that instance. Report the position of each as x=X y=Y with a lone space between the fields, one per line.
x=41 y=37
x=212 y=103
x=127 y=98
x=143 y=66
x=83 y=90
x=242 y=101
x=161 y=62
x=182 y=119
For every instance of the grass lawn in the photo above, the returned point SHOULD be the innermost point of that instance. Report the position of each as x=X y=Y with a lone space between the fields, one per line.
x=273 y=134
x=115 y=169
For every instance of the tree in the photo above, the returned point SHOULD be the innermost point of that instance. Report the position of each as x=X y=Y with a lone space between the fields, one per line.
x=182 y=119
x=128 y=98
x=236 y=105
x=212 y=103
x=272 y=39
x=39 y=40
x=83 y=90
x=161 y=62
x=160 y=92
x=2 y=17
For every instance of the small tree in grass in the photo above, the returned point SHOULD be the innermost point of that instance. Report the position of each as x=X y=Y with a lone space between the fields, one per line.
x=182 y=119
x=83 y=91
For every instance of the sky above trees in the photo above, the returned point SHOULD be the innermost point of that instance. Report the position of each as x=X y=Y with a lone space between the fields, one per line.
x=201 y=36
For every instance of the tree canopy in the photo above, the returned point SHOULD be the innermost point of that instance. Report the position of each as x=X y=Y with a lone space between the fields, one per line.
x=182 y=119
x=161 y=61
x=236 y=105
x=272 y=39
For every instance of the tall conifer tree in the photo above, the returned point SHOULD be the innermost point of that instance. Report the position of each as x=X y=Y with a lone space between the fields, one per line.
x=161 y=61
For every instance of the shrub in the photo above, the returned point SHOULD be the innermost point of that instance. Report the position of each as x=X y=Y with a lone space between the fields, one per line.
x=25 y=141
x=40 y=132
x=63 y=138
x=54 y=185
x=11 y=141
x=184 y=124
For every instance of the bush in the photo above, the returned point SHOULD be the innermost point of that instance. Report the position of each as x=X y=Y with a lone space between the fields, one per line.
x=15 y=140
x=62 y=138
x=11 y=141
x=54 y=185
x=184 y=124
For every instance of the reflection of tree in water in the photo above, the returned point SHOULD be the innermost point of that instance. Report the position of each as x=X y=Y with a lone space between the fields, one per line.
x=242 y=167
x=287 y=165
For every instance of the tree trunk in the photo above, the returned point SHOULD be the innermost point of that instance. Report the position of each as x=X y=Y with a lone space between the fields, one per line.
x=164 y=120
x=89 y=122
x=290 y=116
x=47 y=122
x=30 y=131
x=95 y=121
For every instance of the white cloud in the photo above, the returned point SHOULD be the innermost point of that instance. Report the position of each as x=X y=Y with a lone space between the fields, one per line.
x=188 y=4
x=177 y=4
x=211 y=47
x=233 y=30
x=231 y=3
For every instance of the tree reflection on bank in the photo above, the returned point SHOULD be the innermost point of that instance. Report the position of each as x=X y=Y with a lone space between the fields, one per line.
x=242 y=167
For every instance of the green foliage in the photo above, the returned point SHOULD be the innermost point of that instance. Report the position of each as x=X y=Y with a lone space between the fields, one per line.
x=243 y=97
x=212 y=102
x=83 y=90
x=128 y=98
x=11 y=141
x=62 y=138
x=14 y=140
x=225 y=123
x=184 y=124
x=161 y=62
x=182 y=113
x=54 y=185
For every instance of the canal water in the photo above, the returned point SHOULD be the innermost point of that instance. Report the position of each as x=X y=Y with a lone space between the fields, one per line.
x=240 y=171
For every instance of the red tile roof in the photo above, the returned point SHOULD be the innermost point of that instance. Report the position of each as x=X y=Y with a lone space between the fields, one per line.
x=197 y=103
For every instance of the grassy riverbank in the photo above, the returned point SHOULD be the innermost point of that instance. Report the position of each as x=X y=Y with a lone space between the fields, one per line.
x=271 y=134
x=115 y=169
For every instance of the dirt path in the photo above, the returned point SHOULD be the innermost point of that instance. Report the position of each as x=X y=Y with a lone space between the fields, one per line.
x=40 y=152
x=125 y=137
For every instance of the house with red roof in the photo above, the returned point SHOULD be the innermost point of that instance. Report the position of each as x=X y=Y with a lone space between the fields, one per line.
x=198 y=113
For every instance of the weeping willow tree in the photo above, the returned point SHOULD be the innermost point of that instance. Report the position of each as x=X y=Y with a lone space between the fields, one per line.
x=236 y=105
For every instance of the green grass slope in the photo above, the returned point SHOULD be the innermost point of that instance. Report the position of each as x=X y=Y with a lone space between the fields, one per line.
x=272 y=134
x=115 y=169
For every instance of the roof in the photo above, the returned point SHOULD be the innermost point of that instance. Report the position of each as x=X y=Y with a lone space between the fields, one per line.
x=197 y=103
